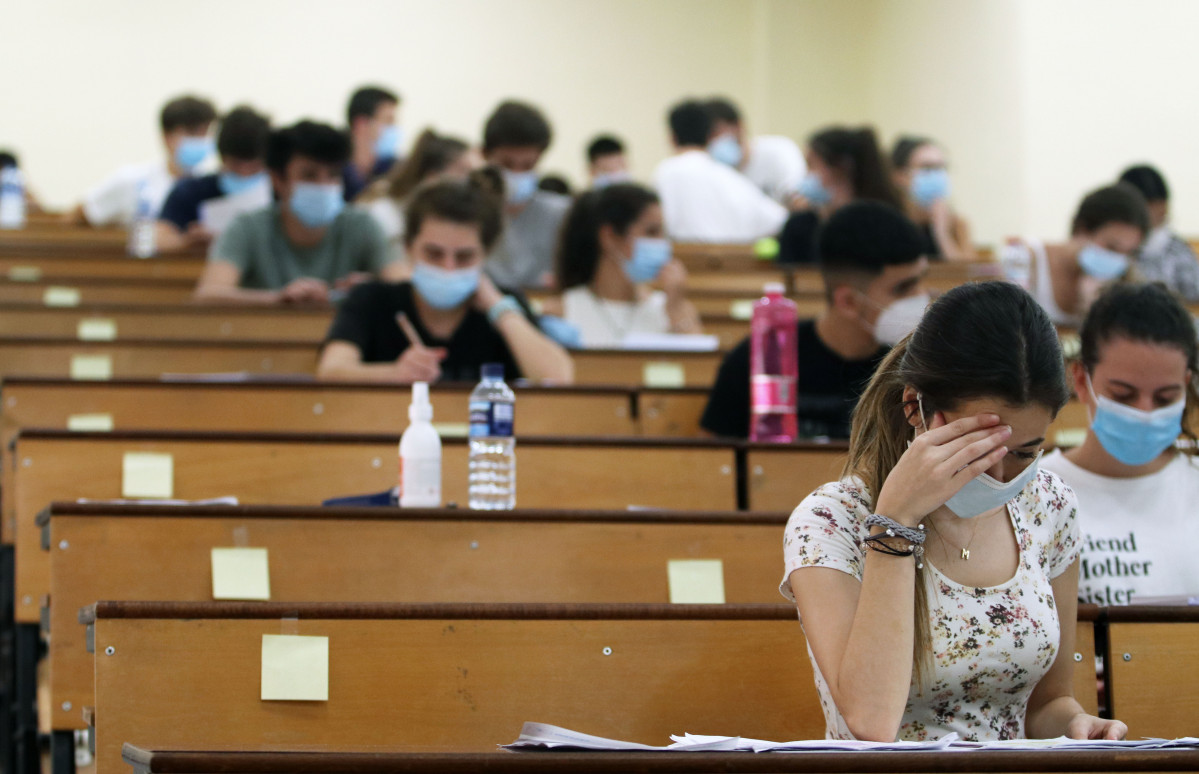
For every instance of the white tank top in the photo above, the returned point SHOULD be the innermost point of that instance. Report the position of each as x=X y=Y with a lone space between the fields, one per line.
x=603 y=323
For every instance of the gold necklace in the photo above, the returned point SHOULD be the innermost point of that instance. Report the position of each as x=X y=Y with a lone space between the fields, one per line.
x=964 y=550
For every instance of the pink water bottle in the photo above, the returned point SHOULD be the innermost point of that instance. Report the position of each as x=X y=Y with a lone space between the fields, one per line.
x=773 y=368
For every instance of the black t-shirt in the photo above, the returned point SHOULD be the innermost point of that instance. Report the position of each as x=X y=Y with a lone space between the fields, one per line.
x=367 y=319
x=797 y=241
x=829 y=388
x=182 y=206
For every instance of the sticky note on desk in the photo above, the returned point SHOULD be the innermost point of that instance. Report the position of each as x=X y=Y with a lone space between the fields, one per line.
x=240 y=573
x=60 y=296
x=96 y=329
x=148 y=474
x=295 y=668
x=1070 y=437
x=96 y=367
x=90 y=423
x=742 y=310
x=661 y=374
x=24 y=273
x=696 y=581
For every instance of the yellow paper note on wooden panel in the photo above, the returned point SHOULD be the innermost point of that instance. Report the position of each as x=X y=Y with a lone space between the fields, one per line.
x=240 y=573
x=24 y=274
x=295 y=668
x=96 y=329
x=662 y=374
x=742 y=310
x=60 y=296
x=93 y=367
x=696 y=581
x=148 y=474
x=90 y=423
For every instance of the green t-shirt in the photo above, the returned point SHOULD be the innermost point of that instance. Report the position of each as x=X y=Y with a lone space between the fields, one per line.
x=255 y=244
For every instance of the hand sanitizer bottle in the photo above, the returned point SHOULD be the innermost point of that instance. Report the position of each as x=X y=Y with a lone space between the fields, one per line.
x=420 y=454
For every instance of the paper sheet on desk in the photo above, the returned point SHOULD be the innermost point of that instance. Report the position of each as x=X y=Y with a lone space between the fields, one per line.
x=217 y=214
x=671 y=342
x=1065 y=743
x=152 y=501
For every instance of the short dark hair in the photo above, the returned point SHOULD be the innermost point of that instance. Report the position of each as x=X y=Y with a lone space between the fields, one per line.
x=555 y=184
x=901 y=153
x=604 y=145
x=244 y=134
x=516 y=124
x=617 y=206
x=865 y=237
x=186 y=112
x=690 y=123
x=722 y=109
x=473 y=202
x=8 y=159
x=1119 y=203
x=319 y=142
x=365 y=102
x=1148 y=181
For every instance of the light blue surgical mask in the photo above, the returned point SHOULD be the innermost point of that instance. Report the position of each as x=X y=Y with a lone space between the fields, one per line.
x=606 y=179
x=519 y=187
x=1101 y=263
x=192 y=151
x=812 y=189
x=317 y=204
x=445 y=288
x=1133 y=436
x=649 y=256
x=929 y=185
x=726 y=150
x=388 y=144
x=233 y=184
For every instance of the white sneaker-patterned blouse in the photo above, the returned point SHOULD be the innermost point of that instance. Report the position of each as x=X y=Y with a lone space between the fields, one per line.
x=990 y=645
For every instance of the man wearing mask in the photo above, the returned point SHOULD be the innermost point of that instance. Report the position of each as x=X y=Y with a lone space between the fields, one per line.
x=374 y=135
x=606 y=162
x=514 y=139
x=873 y=267
x=309 y=243
x=241 y=143
x=773 y=163
x=140 y=189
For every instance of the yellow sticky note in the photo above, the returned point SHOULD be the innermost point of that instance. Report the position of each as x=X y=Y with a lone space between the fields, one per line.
x=742 y=310
x=240 y=573
x=660 y=374
x=295 y=668
x=148 y=474
x=59 y=296
x=97 y=329
x=452 y=429
x=1070 y=437
x=24 y=274
x=90 y=423
x=91 y=367
x=696 y=581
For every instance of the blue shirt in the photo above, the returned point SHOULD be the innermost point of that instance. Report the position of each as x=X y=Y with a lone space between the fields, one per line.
x=182 y=207
x=354 y=182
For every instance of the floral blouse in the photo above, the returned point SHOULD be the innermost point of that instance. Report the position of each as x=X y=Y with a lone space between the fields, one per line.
x=990 y=645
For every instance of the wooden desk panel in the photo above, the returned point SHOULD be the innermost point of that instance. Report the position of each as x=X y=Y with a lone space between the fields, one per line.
x=671 y=413
x=125 y=291
x=1153 y=685
x=779 y=477
x=71 y=262
x=595 y=366
x=152 y=358
x=181 y=322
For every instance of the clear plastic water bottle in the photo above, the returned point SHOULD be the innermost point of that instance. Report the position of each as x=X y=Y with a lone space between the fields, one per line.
x=773 y=368
x=12 y=198
x=1016 y=261
x=492 y=447
x=141 y=230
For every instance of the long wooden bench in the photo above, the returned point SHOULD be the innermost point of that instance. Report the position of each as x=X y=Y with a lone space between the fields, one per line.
x=76 y=291
x=384 y=555
x=45 y=264
x=101 y=322
x=101 y=360
x=1151 y=656
x=454 y=678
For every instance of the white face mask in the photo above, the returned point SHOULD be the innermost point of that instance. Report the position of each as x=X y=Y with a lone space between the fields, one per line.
x=899 y=318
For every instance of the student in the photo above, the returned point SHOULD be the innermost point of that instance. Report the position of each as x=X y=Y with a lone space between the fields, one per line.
x=772 y=162
x=309 y=241
x=9 y=159
x=936 y=582
x=704 y=200
x=918 y=166
x=1136 y=491
x=515 y=137
x=612 y=249
x=606 y=161
x=1108 y=227
x=1164 y=256
x=241 y=143
x=186 y=123
x=460 y=318
x=873 y=266
x=844 y=165
x=374 y=136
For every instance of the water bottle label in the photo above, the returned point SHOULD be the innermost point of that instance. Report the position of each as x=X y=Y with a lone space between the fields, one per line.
x=772 y=394
x=490 y=419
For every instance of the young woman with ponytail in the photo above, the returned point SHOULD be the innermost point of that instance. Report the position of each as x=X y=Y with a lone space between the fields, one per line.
x=936 y=581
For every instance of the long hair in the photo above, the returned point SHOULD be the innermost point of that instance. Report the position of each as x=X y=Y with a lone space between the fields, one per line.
x=433 y=153
x=980 y=340
x=618 y=206
x=856 y=153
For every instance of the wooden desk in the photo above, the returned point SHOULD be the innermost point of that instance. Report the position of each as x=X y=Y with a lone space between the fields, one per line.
x=93 y=290
x=779 y=476
x=613 y=366
x=447 y=677
x=1153 y=684
x=151 y=358
x=671 y=413
x=382 y=555
x=43 y=262
x=172 y=322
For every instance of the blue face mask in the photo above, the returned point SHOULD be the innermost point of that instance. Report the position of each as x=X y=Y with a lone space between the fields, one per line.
x=1102 y=264
x=726 y=150
x=232 y=185
x=519 y=187
x=444 y=289
x=812 y=189
x=649 y=256
x=388 y=144
x=316 y=204
x=1133 y=436
x=929 y=185
x=192 y=151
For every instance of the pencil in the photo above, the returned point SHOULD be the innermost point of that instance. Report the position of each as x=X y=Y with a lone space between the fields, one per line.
x=409 y=330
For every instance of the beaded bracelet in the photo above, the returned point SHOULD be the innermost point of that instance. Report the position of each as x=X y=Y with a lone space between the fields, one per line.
x=893 y=528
